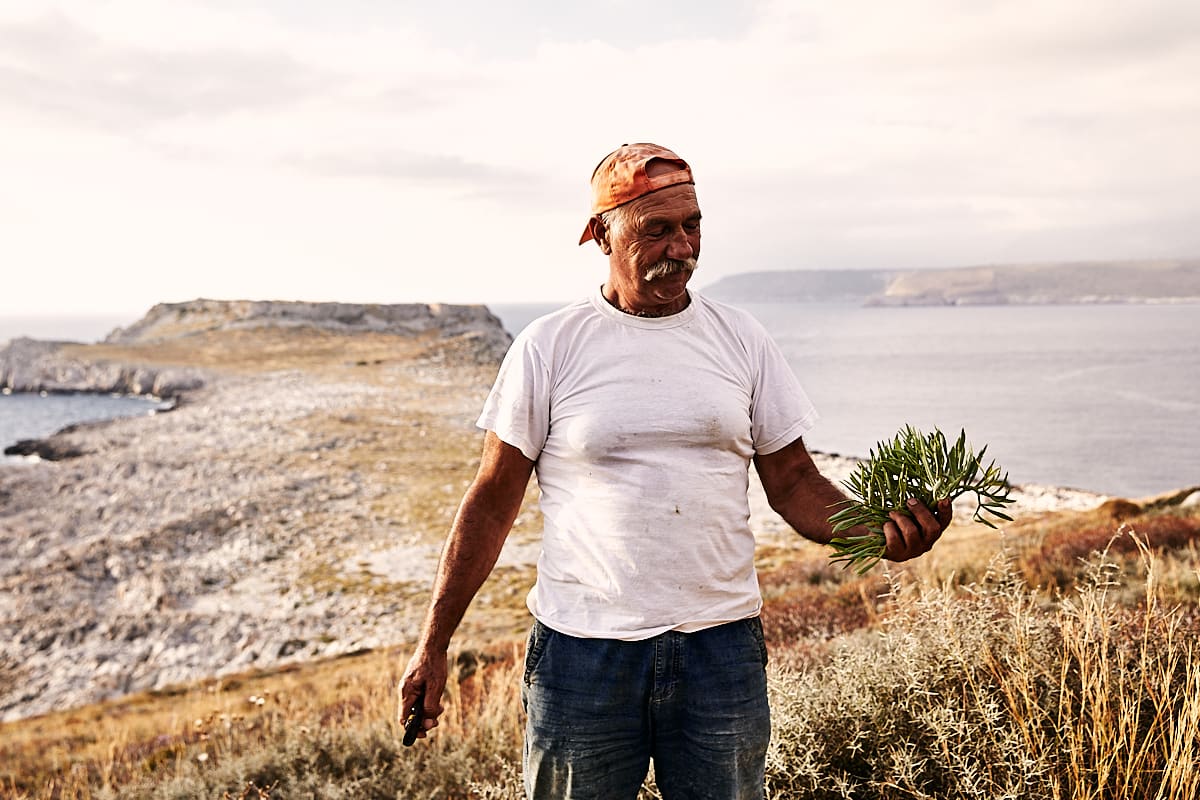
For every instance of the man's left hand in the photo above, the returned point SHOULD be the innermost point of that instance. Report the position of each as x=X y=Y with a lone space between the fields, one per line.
x=911 y=534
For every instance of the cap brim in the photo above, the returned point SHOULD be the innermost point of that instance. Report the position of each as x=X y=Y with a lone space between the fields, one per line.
x=587 y=233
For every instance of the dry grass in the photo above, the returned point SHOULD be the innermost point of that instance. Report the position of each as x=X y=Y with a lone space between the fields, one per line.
x=1031 y=666
x=252 y=351
x=992 y=691
x=321 y=730
x=1053 y=559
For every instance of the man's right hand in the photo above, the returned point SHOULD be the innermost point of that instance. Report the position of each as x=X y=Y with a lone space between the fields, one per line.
x=476 y=536
x=426 y=671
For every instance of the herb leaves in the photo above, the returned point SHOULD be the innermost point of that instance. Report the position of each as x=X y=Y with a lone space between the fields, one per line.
x=912 y=464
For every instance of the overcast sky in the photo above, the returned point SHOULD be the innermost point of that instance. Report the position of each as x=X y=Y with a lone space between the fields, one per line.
x=395 y=151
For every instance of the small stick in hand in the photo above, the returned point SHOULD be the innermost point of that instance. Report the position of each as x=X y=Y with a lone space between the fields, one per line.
x=415 y=719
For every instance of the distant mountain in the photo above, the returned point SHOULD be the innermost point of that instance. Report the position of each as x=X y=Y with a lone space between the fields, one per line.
x=801 y=286
x=1160 y=281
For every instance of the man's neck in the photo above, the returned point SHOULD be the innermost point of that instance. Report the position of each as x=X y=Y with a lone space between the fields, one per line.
x=635 y=309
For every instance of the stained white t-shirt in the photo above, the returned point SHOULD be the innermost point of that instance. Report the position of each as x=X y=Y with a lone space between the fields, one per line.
x=642 y=430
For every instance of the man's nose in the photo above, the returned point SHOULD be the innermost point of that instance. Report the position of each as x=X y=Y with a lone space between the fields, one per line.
x=680 y=246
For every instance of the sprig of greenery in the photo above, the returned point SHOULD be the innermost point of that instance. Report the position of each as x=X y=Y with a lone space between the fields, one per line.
x=912 y=464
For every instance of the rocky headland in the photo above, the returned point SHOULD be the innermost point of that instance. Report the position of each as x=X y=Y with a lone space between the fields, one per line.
x=290 y=505
x=1076 y=283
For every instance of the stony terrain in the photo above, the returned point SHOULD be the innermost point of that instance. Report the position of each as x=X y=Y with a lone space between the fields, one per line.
x=291 y=506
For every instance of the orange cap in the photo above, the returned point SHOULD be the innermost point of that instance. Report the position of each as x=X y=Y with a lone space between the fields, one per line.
x=622 y=177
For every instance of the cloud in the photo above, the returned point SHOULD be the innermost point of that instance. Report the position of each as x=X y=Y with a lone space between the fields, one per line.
x=435 y=171
x=851 y=134
x=56 y=67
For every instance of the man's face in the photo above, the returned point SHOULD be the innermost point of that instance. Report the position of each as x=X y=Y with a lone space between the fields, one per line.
x=662 y=225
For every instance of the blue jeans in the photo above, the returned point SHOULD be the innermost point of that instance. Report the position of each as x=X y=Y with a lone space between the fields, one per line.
x=599 y=710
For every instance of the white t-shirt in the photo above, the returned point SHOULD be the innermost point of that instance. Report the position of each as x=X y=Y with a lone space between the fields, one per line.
x=642 y=430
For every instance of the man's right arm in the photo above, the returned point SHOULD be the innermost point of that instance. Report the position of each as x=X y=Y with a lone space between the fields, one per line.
x=480 y=527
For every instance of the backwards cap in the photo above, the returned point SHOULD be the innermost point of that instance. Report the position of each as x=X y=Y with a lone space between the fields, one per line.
x=621 y=177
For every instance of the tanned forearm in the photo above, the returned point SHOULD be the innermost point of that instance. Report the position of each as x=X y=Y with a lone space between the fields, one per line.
x=476 y=538
x=798 y=492
x=808 y=505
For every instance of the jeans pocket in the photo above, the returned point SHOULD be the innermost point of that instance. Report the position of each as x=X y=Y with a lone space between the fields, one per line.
x=756 y=630
x=534 y=648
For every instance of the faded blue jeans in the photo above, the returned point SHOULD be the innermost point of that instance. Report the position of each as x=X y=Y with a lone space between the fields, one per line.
x=599 y=710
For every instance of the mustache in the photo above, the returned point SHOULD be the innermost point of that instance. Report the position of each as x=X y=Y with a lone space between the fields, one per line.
x=669 y=266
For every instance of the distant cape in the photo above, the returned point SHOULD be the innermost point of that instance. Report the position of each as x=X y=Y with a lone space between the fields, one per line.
x=1161 y=281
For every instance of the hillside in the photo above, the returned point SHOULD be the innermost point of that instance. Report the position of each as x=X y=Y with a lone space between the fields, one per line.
x=216 y=601
x=1024 y=284
x=291 y=506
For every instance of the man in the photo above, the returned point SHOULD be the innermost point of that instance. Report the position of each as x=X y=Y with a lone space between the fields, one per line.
x=641 y=408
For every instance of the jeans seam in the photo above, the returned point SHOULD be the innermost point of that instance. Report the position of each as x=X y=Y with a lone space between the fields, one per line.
x=535 y=649
x=755 y=625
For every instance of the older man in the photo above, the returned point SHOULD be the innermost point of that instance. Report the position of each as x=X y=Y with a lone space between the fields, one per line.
x=640 y=407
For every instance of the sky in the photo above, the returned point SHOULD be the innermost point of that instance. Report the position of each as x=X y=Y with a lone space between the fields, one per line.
x=391 y=151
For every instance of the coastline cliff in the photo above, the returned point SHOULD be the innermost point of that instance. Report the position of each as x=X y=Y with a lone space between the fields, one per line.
x=1161 y=281
x=30 y=365
x=290 y=506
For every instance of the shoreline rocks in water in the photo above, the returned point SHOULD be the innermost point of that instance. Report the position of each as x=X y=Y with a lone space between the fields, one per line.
x=30 y=365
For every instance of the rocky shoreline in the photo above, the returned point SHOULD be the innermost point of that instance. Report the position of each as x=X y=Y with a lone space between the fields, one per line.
x=291 y=506
x=238 y=530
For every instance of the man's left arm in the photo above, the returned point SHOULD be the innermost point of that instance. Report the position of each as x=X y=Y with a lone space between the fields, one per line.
x=805 y=498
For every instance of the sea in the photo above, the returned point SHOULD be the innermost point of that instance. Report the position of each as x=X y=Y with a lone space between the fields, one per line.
x=1104 y=398
x=32 y=416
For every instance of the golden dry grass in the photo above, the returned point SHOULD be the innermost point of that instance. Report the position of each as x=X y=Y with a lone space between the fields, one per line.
x=328 y=721
x=252 y=351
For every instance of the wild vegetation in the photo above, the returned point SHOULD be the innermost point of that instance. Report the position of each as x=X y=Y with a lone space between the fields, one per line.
x=1058 y=659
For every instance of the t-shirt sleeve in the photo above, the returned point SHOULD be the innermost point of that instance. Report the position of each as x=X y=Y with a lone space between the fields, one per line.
x=780 y=411
x=518 y=408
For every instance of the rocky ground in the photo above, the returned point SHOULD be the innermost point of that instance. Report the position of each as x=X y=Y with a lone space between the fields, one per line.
x=291 y=506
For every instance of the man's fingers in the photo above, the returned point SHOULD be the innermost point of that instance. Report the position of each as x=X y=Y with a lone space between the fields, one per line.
x=902 y=537
x=414 y=690
x=413 y=687
x=409 y=693
x=930 y=525
x=911 y=534
x=945 y=512
x=433 y=707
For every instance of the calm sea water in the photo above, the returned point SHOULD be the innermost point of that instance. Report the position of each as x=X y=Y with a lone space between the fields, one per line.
x=25 y=416
x=1104 y=398
x=32 y=416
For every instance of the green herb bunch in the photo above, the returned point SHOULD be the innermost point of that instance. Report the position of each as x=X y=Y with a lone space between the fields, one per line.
x=916 y=465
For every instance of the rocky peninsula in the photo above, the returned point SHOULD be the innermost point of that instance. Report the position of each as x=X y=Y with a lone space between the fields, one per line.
x=1068 y=283
x=291 y=504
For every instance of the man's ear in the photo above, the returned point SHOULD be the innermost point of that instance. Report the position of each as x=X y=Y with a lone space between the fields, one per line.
x=600 y=234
